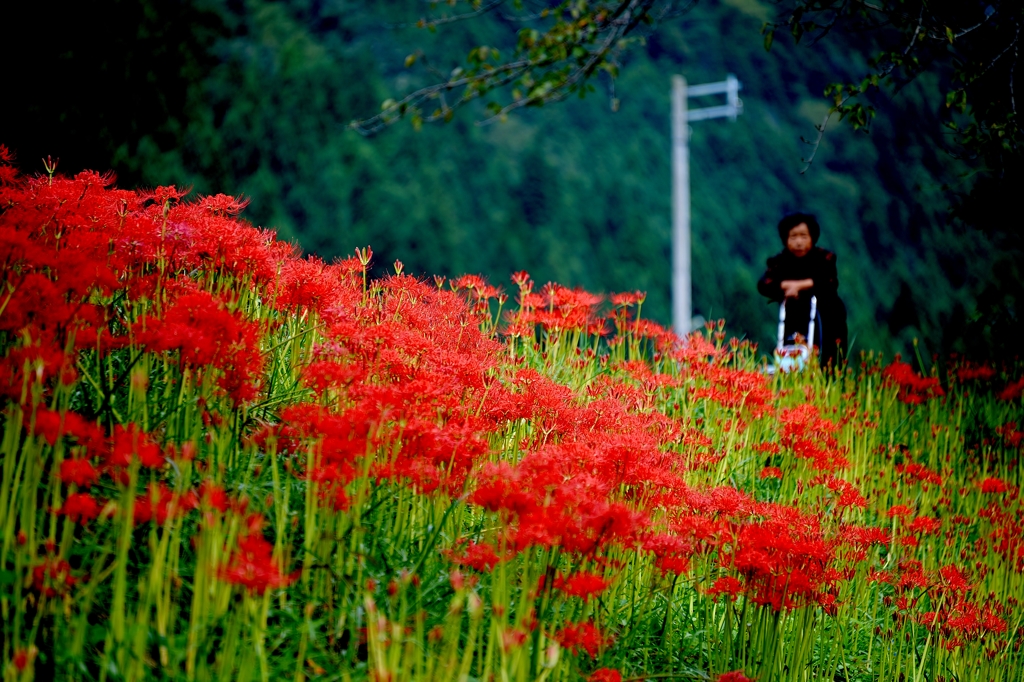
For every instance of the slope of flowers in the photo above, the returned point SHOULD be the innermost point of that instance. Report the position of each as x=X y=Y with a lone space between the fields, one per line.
x=224 y=461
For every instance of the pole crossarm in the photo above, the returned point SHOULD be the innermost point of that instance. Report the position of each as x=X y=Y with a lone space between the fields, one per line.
x=732 y=108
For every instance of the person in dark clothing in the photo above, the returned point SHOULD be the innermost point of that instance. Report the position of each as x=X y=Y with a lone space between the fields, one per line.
x=803 y=270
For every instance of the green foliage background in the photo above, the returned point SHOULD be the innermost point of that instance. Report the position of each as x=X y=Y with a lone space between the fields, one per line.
x=253 y=97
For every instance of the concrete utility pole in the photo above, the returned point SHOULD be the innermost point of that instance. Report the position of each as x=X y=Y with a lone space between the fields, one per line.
x=682 y=308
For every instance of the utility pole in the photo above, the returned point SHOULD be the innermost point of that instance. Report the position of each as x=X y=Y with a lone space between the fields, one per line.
x=682 y=308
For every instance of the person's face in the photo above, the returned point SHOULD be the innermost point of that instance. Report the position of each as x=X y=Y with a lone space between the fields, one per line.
x=799 y=240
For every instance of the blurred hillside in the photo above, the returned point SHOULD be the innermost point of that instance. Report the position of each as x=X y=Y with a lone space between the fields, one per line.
x=253 y=97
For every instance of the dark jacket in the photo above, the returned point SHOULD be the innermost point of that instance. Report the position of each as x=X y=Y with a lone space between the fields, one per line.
x=818 y=265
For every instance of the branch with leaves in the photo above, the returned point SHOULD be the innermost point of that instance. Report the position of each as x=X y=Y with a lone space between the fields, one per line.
x=977 y=42
x=560 y=48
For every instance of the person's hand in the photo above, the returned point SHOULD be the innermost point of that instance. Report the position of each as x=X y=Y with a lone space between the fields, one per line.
x=791 y=288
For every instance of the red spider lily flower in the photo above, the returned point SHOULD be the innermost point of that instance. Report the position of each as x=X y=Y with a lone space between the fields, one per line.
x=50 y=425
x=736 y=389
x=584 y=585
x=470 y=282
x=189 y=449
x=23 y=657
x=129 y=441
x=585 y=636
x=972 y=372
x=924 y=525
x=994 y=485
x=81 y=507
x=664 y=339
x=918 y=472
x=675 y=565
x=522 y=280
x=785 y=557
x=865 y=536
x=1012 y=391
x=518 y=328
x=875 y=576
x=52 y=577
x=223 y=205
x=481 y=557
x=253 y=567
x=87 y=433
x=965 y=621
x=912 y=576
x=324 y=374
x=605 y=675
x=512 y=638
x=665 y=544
x=994 y=623
x=460 y=580
x=206 y=334
x=811 y=437
x=727 y=585
x=849 y=496
x=213 y=496
x=79 y=472
x=1011 y=436
x=159 y=503
x=899 y=510
x=166 y=194
x=628 y=298
x=734 y=676
x=39 y=363
x=913 y=388
x=771 y=472
x=954 y=579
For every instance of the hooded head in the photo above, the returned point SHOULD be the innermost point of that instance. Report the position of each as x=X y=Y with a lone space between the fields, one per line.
x=794 y=219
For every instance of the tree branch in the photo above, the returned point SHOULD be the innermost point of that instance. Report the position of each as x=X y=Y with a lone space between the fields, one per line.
x=597 y=28
x=375 y=124
x=839 y=105
x=440 y=21
x=1013 y=67
x=579 y=72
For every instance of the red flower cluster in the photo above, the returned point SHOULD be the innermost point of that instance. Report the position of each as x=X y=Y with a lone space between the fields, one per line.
x=913 y=388
x=583 y=585
x=1012 y=390
x=973 y=372
x=406 y=385
x=605 y=675
x=252 y=564
x=734 y=676
x=585 y=636
x=812 y=437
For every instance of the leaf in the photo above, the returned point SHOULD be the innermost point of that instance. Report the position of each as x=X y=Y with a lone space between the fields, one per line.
x=769 y=38
x=410 y=60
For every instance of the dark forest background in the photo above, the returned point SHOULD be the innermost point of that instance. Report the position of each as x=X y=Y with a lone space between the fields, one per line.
x=254 y=97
